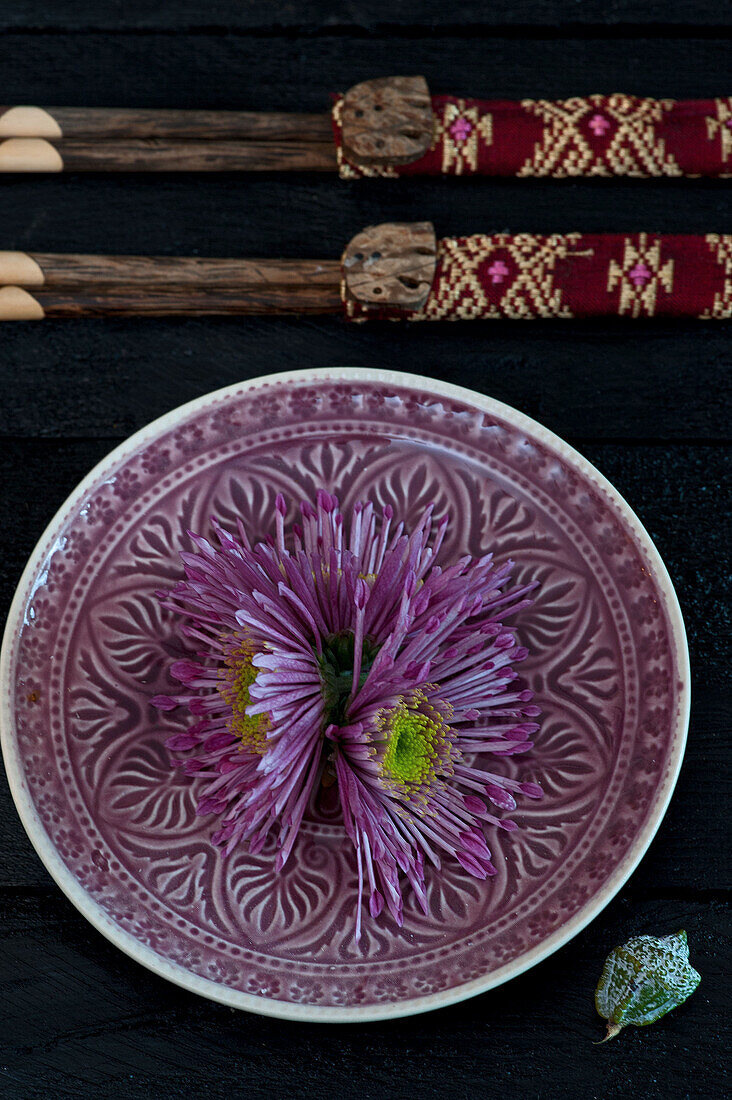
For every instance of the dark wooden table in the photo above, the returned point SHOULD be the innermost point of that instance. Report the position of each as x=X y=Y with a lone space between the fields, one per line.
x=649 y=404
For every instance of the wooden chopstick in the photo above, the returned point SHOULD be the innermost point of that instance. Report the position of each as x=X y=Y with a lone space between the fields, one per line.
x=163 y=155
x=68 y=269
x=393 y=270
x=170 y=301
x=112 y=123
x=101 y=139
x=73 y=285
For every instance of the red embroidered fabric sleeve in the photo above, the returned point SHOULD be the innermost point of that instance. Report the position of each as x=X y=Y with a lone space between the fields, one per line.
x=573 y=275
x=615 y=135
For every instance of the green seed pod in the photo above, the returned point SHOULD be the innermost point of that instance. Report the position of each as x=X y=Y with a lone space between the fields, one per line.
x=643 y=980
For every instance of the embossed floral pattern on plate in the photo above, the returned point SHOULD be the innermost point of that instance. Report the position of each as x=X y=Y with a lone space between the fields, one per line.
x=91 y=645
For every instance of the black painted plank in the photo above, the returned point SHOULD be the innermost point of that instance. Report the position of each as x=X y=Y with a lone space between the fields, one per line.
x=319 y=16
x=315 y=216
x=78 y=1018
x=294 y=73
x=111 y=1029
x=607 y=380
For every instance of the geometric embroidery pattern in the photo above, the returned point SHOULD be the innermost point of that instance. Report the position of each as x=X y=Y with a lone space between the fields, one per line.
x=616 y=135
x=600 y=136
x=462 y=129
x=640 y=276
x=519 y=269
x=570 y=275
x=721 y=246
x=722 y=125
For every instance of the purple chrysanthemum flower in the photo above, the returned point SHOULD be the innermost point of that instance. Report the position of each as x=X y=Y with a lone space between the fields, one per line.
x=345 y=654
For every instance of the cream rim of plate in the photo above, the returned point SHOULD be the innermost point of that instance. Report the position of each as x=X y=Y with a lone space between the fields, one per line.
x=313 y=1013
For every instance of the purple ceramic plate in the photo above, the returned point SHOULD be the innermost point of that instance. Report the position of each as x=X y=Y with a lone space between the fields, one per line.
x=86 y=646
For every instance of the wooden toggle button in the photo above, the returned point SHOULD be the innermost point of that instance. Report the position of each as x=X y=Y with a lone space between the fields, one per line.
x=391 y=265
x=387 y=121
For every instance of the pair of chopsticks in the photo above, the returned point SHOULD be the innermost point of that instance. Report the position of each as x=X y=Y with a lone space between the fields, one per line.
x=394 y=270
x=34 y=139
x=69 y=285
x=385 y=126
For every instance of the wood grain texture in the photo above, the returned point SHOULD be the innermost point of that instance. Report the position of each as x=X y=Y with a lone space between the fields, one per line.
x=161 y=155
x=170 y=301
x=650 y=406
x=392 y=264
x=148 y=286
x=78 y=270
x=387 y=121
x=112 y=123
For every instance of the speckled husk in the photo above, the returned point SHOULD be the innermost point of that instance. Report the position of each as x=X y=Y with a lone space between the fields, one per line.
x=643 y=980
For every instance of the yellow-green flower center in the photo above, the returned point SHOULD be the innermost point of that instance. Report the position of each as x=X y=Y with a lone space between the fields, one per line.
x=238 y=675
x=413 y=739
